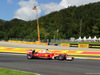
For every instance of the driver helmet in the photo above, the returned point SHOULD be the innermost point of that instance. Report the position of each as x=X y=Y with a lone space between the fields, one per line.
x=46 y=49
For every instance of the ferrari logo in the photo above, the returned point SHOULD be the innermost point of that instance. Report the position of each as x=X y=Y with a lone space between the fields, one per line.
x=46 y=55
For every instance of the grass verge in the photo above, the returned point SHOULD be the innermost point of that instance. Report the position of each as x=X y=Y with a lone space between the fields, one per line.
x=13 y=72
x=98 y=43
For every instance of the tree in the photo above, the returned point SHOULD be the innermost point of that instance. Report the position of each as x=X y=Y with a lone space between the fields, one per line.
x=95 y=30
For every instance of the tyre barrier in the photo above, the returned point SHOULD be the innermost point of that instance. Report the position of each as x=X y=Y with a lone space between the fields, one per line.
x=82 y=45
x=94 y=46
x=28 y=42
x=73 y=45
x=67 y=45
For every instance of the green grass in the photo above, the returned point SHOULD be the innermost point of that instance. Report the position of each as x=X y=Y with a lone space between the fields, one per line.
x=84 y=42
x=13 y=72
x=77 y=42
x=89 y=43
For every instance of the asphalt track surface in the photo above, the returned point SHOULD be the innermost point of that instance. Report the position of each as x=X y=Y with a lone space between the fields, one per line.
x=49 y=67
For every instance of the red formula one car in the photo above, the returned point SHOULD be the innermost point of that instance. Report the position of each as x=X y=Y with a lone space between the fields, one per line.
x=31 y=54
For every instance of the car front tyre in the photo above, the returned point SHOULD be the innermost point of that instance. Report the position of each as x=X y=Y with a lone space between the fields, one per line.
x=61 y=57
x=29 y=56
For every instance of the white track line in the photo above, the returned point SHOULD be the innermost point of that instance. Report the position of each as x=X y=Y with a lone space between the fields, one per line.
x=13 y=54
